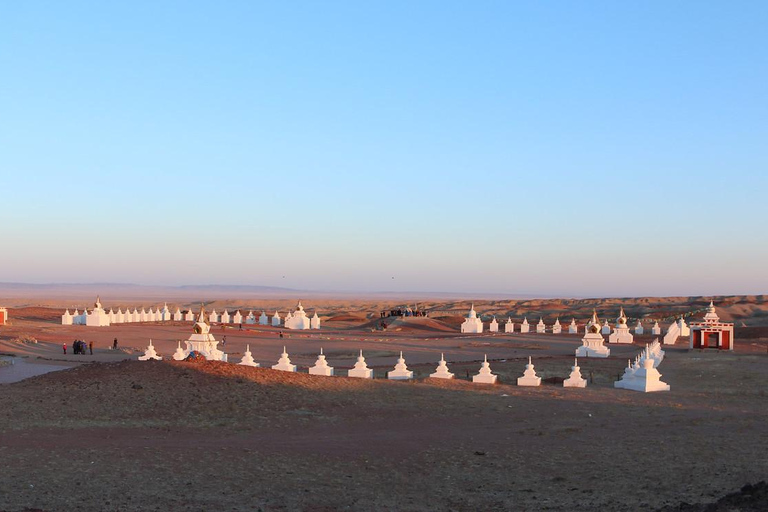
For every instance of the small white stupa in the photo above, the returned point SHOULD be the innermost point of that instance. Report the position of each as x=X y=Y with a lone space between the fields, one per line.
x=360 y=370
x=66 y=318
x=225 y=317
x=165 y=313
x=556 y=327
x=237 y=318
x=472 y=324
x=247 y=359
x=284 y=363
x=179 y=355
x=177 y=316
x=621 y=332
x=441 y=372
x=685 y=331
x=251 y=318
x=529 y=377
x=645 y=379
x=575 y=380
x=213 y=317
x=98 y=317
x=541 y=326
x=494 y=325
x=639 y=328
x=150 y=354
x=606 y=328
x=656 y=329
x=152 y=315
x=321 y=366
x=263 y=319
x=509 y=326
x=314 y=322
x=484 y=376
x=276 y=319
x=525 y=327
x=297 y=320
x=190 y=316
x=573 y=328
x=401 y=371
x=592 y=342
x=119 y=316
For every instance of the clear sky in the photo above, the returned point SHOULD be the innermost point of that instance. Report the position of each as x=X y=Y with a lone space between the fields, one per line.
x=557 y=148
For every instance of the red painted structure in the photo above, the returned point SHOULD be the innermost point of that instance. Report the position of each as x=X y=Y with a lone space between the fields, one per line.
x=712 y=333
x=3 y=316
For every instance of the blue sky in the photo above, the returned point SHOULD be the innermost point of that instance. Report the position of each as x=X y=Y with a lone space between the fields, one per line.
x=556 y=148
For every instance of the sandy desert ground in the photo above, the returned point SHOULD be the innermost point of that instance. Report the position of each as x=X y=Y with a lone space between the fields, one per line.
x=112 y=433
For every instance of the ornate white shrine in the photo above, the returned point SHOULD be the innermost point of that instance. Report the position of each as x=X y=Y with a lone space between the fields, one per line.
x=556 y=327
x=592 y=342
x=202 y=341
x=321 y=366
x=247 y=359
x=575 y=380
x=621 y=332
x=711 y=333
x=529 y=377
x=509 y=326
x=401 y=371
x=98 y=317
x=484 y=376
x=525 y=327
x=472 y=324
x=150 y=354
x=441 y=372
x=284 y=363
x=360 y=370
x=541 y=326
x=297 y=320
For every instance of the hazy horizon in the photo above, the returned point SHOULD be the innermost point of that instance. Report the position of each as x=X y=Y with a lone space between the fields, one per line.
x=553 y=149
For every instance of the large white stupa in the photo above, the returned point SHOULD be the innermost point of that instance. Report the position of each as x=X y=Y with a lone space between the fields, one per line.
x=203 y=341
x=472 y=324
x=297 y=320
x=621 y=332
x=592 y=342
x=98 y=317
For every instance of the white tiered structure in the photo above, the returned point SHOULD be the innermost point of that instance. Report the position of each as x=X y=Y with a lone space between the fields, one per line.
x=556 y=327
x=177 y=316
x=541 y=326
x=529 y=377
x=670 y=338
x=656 y=329
x=360 y=370
x=237 y=318
x=203 y=341
x=250 y=319
x=685 y=331
x=213 y=317
x=441 y=372
x=321 y=366
x=263 y=319
x=472 y=324
x=314 y=322
x=573 y=328
x=645 y=379
x=639 y=330
x=276 y=319
x=98 y=317
x=297 y=320
x=606 y=328
x=179 y=354
x=401 y=371
x=592 y=342
x=225 y=317
x=484 y=376
x=190 y=316
x=66 y=318
x=575 y=380
x=494 y=325
x=150 y=354
x=621 y=332
x=509 y=326
x=247 y=359
x=524 y=327
x=284 y=363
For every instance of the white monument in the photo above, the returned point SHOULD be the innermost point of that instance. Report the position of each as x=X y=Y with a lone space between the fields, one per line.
x=314 y=322
x=202 y=341
x=165 y=314
x=685 y=331
x=177 y=316
x=190 y=316
x=621 y=332
x=297 y=320
x=441 y=372
x=401 y=371
x=119 y=316
x=179 y=355
x=494 y=325
x=606 y=328
x=541 y=327
x=360 y=370
x=264 y=319
x=575 y=380
x=237 y=318
x=247 y=359
x=276 y=319
x=524 y=327
x=98 y=317
x=645 y=379
x=321 y=366
x=66 y=318
x=150 y=354
x=509 y=326
x=592 y=342
x=556 y=327
x=573 y=328
x=484 y=376
x=672 y=334
x=225 y=317
x=213 y=317
x=472 y=324
x=284 y=363
x=656 y=330
x=639 y=328
x=529 y=377
x=251 y=318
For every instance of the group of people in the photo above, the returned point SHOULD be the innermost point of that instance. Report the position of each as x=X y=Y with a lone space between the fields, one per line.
x=403 y=312
x=79 y=347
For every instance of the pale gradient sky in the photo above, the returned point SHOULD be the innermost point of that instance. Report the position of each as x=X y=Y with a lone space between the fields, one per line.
x=555 y=148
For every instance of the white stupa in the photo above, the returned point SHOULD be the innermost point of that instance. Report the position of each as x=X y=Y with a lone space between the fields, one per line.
x=472 y=324
x=276 y=319
x=284 y=363
x=441 y=372
x=529 y=377
x=556 y=327
x=202 y=341
x=314 y=322
x=119 y=316
x=525 y=327
x=237 y=318
x=143 y=317
x=251 y=318
x=179 y=355
x=646 y=379
x=165 y=313
x=297 y=320
x=137 y=315
x=401 y=371
x=263 y=319
x=154 y=316
x=541 y=326
x=247 y=359
x=150 y=354
x=225 y=317
x=685 y=331
x=592 y=342
x=177 y=315
x=484 y=376
x=111 y=315
x=360 y=370
x=494 y=325
x=98 y=317
x=606 y=328
x=66 y=318
x=79 y=318
x=509 y=326
x=656 y=329
x=189 y=316
x=621 y=332
x=321 y=366
x=575 y=380
x=573 y=328
x=639 y=328
x=213 y=317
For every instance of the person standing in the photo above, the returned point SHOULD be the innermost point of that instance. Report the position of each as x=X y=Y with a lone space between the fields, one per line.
x=114 y=344
x=90 y=347
x=64 y=346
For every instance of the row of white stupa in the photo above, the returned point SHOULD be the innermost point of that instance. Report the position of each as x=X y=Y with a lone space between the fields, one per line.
x=100 y=318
